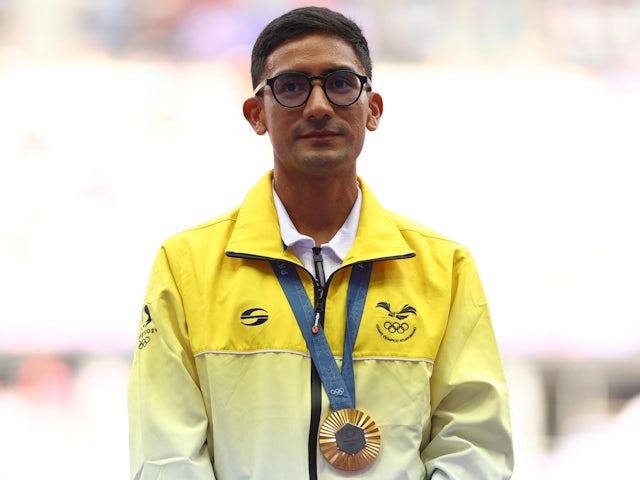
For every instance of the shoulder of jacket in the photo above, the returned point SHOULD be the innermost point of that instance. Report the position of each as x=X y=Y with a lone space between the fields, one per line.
x=411 y=227
x=217 y=227
x=422 y=238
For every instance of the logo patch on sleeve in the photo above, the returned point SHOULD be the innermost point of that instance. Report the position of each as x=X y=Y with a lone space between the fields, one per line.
x=147 y=331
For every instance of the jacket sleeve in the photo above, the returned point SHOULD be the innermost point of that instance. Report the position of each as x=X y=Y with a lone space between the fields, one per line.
x=167 y=417
x=470 y=425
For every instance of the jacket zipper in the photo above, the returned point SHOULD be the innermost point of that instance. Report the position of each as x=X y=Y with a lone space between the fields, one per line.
x=320 y=295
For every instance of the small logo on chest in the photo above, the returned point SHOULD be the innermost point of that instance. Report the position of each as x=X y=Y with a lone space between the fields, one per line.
x=397 y=326
x=254 y=317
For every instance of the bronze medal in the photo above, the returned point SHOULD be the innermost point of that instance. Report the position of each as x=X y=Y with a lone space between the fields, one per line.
x=349 y=439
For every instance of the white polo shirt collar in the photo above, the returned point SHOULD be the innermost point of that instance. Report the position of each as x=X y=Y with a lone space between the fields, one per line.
x=334 y=251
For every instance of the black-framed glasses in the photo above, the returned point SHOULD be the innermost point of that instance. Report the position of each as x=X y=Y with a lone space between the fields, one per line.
x=293 y=89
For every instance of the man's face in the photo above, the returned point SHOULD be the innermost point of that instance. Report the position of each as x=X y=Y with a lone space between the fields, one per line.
x=317 y=138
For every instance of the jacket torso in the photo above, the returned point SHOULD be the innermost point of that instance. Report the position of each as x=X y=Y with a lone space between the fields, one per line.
x=222 y=312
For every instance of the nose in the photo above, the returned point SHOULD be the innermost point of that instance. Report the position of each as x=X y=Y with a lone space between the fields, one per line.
x=318 y=105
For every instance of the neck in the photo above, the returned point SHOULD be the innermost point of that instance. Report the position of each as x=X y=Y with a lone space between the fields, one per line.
x=317 y=206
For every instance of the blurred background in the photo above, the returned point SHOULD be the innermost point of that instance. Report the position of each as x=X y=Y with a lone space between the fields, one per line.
x=510 y=126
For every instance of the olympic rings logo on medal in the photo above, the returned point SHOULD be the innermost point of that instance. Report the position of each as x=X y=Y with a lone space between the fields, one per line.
x=400 y=329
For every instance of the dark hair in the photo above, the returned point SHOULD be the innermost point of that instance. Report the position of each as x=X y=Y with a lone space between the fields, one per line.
x=302 y=21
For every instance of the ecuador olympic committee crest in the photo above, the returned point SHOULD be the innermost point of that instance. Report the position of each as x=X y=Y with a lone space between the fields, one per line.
x=397 y=326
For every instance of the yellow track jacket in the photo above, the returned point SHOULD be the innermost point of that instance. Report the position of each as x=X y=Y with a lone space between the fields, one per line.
x=221 y=380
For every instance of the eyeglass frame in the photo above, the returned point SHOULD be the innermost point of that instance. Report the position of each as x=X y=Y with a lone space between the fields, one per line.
x=364 y=80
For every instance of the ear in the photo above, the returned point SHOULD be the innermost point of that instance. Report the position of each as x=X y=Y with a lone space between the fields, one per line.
x=252 y=109
x=375 y=111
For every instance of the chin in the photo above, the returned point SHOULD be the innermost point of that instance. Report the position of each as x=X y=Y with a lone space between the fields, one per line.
x=322 y=161
x=325 y=166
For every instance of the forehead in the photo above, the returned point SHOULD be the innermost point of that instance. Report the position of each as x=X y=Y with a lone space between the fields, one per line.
x=315 y=53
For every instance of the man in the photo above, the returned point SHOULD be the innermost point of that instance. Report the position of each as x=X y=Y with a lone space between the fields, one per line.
x=311 y=333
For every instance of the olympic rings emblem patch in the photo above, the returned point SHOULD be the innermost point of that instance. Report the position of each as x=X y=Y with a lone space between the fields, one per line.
x=399 y=329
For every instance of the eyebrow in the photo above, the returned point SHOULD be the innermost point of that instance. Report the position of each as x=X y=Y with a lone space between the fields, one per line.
x=326 y=71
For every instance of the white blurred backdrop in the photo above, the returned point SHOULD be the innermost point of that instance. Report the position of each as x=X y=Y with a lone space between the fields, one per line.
x=511 y=126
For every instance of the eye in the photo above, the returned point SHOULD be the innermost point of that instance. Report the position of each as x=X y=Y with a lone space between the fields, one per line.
x=342 y=81
x=291 y=87
x=288 y=85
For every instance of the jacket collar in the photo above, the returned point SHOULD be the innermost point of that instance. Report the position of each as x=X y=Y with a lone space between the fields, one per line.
x=257 y=231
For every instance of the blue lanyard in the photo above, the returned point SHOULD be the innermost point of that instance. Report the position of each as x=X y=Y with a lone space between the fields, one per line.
x=339 y=386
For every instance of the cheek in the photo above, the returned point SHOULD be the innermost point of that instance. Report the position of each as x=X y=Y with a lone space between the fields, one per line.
x=280 y=141
x=278 y=122
x=359 y=127
x=362 y=119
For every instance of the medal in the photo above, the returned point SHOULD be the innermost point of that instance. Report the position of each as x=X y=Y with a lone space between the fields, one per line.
x=349 y=439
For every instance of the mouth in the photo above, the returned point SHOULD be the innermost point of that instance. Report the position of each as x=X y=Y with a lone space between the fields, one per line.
x=319 y=134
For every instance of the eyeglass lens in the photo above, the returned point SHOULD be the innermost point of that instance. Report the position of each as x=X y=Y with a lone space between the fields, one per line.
x=341 y=88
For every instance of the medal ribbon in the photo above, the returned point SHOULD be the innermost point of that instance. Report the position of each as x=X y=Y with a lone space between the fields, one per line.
x=339 y=386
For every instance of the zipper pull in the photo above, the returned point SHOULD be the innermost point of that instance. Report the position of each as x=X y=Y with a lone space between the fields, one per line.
x=319 y=266
x=315 y=328
x=320 y=281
